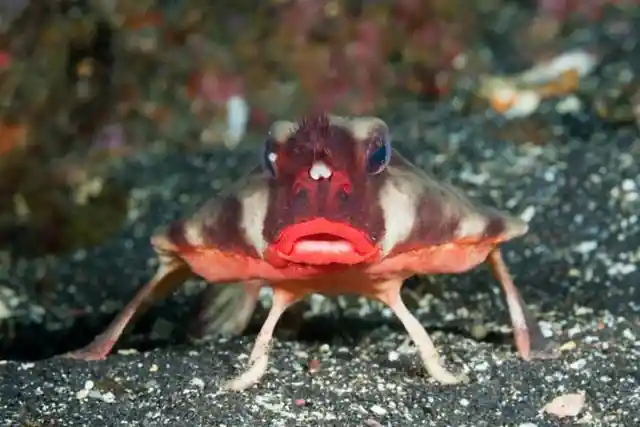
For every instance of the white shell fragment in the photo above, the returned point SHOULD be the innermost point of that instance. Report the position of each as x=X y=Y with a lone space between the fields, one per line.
x=524 y=103
x=579 y=61
x=520 y=95
x=566 y=405
x=237 y=119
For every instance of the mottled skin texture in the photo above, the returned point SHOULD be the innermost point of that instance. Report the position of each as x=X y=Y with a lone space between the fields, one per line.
x=317 y=218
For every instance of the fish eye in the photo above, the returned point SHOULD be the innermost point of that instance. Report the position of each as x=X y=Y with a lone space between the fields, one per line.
x=269 y=157
x=378 y=155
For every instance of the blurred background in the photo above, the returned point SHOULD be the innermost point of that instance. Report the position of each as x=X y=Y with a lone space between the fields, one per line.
x=87 y=85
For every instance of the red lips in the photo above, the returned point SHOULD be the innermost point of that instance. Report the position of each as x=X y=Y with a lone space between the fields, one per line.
x=321 y=242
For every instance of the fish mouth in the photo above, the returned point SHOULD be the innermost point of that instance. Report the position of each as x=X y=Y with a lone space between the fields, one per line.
x=321 y=242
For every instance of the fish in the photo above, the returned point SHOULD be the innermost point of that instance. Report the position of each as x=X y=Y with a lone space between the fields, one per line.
x=331 y=209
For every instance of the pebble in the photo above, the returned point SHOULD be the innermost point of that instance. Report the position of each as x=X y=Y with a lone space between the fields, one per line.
x=197 y=382
x=578 y=364
x=378 y=410
x=586 y=247
x=569 y=104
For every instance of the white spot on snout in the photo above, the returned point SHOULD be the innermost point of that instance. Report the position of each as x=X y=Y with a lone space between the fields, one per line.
x=320 y=170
